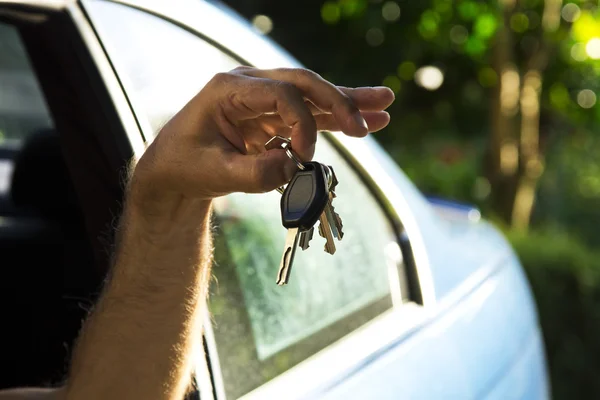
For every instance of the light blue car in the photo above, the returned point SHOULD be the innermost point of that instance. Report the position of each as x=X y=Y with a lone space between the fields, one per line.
x=423 y=299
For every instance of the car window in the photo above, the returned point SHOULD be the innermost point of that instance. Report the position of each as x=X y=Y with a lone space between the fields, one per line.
x=261 y=329
x=23 y=110
x=161 y=65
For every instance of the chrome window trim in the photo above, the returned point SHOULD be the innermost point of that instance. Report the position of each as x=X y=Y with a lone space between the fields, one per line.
x=110 y=79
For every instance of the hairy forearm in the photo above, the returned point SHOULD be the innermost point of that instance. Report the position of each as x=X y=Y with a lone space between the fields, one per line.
x=139 y=341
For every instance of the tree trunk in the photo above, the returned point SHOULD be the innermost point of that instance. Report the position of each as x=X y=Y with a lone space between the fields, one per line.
x=515 y=158
x=531 y=164
x=503 y=153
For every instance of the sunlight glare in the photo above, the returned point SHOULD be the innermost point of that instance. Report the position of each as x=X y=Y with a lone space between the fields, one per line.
x=593 y=48
x=429 y=77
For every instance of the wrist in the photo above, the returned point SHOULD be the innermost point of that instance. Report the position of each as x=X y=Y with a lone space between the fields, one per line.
x=162 y=212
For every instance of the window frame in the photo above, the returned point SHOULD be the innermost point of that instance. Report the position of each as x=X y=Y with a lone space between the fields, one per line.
x=409 y=274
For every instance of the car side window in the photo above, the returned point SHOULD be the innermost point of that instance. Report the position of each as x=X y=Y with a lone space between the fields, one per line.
x=161 y=65
x=261 y=330
x=23 y=109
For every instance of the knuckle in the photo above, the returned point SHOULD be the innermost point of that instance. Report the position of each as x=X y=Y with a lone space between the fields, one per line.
x=222 y=78
x=286 y=89
x=347 y=102
x=241 y=68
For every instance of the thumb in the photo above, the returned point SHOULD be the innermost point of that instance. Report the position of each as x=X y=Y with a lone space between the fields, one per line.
x=262 y=172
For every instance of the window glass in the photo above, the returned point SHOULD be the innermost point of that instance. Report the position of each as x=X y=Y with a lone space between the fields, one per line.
x=23 y=110
x=22 y=106
x=261 y=329
x=161 y=65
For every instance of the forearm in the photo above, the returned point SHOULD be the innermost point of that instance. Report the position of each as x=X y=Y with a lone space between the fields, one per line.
x=139 y=341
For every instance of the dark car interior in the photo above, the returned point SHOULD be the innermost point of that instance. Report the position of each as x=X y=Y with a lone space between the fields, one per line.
x=59 y=208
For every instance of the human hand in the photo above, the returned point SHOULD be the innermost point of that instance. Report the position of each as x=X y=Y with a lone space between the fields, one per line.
x=215 y=144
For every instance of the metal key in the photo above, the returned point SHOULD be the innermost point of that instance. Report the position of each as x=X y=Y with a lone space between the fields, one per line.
x=330 y=223
x=335 y=221
x=302 y=203
x=306 y=237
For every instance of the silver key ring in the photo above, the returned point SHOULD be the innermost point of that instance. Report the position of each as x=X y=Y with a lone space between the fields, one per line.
x=285 y=143
x=293 y=157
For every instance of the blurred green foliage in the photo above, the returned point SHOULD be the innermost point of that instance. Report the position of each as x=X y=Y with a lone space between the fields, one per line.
x=441 y=137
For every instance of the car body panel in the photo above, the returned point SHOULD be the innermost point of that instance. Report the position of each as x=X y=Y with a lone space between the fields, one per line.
x=477 y=333
x=482 y=346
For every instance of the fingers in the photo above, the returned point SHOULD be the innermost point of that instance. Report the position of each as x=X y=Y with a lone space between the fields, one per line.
x=370 y=98
x=324 y=95
x=246 y=98
x=271 y=125
x=376 y=121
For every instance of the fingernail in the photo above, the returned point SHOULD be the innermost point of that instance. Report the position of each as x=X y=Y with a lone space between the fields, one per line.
x=361 y=121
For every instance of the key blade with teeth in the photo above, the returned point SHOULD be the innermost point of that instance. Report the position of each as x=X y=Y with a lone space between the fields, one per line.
x=325 y=231
x=289 y=251
x=305 y=238
x=334 y=219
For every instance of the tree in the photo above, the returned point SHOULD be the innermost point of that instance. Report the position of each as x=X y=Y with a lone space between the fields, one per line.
x=511 y=73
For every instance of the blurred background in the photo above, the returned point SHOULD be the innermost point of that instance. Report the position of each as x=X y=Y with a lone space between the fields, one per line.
x=496 y=106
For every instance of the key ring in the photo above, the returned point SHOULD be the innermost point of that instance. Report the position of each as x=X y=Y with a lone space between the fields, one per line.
x=285 y=143
x=293 y=157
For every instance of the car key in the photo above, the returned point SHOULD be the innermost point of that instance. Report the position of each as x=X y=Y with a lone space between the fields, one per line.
x=335 y=221
x=302 y=203
x=330 y=223
x=306 y=237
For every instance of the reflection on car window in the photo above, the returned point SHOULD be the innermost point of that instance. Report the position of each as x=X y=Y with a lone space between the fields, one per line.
x=161 y=65
x=22 y=106
x=262 y=329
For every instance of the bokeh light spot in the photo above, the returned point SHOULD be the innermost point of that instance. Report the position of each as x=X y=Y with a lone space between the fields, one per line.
x=485 y=25
x=468 y=10
x=330 y=12
x=262 y=23
x=406 y=70
x=375 y=37
x=481 y=188
x=428 y=25
x=459 y=34
x=578 y=52
x=475 y=46
x=390 y=11
x=592 y=48
x=352 y=8
x=519 y=22
x=570 y=12
x=586 y=98
x=429 y=77
x=393 y=83
x=487 y=77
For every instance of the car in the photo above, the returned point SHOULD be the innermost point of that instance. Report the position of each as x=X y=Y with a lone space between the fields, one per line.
x=423 y=299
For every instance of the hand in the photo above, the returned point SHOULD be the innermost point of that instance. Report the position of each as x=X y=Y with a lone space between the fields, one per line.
x=215 y=144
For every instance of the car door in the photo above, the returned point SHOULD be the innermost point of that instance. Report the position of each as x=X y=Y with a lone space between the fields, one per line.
x=263 y=337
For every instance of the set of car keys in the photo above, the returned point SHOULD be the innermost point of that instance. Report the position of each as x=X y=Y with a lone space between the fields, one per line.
x=306 y=199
